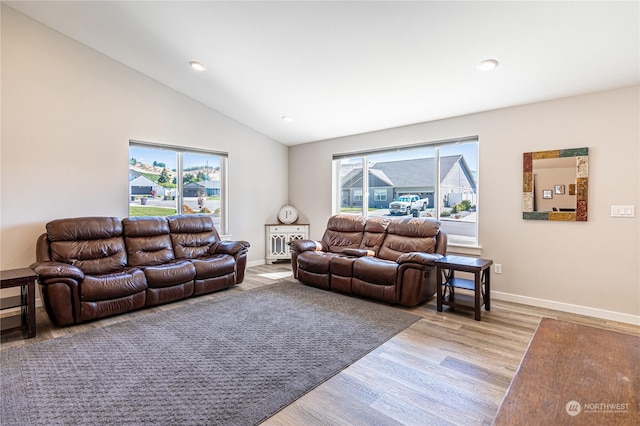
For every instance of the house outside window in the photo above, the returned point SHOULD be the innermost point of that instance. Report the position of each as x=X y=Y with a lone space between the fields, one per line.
x=166 y=180
x=437 y=180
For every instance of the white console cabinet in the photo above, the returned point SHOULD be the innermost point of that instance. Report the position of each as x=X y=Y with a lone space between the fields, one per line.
x=278 y=237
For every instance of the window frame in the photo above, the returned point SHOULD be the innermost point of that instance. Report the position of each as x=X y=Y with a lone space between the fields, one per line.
x=456 y=240
x=180 y=151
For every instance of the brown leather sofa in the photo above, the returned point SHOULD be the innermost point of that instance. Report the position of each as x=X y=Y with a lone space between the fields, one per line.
x=390 y=260
x=93 y=267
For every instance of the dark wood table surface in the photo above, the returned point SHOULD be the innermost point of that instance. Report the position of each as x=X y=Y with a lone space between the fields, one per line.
x=573 y=374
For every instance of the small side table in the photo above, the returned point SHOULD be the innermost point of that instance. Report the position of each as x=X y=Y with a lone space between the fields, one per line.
x=447 y=283
x=24 y=278
x=278 y=239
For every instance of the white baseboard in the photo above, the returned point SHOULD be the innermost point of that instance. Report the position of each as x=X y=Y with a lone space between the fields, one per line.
x=256 y=262
x=568 y=307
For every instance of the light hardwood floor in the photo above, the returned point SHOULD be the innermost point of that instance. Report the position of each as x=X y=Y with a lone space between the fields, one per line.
x=447 y=368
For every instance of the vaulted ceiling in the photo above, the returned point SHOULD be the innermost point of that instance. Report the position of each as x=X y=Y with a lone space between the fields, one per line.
x=337 y=68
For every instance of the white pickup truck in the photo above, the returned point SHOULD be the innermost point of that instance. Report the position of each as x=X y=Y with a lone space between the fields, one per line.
x=405 y=203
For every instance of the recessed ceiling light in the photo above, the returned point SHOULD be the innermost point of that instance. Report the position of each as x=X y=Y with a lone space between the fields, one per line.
x=487 y=65
x=287 y=119
x=197 y=66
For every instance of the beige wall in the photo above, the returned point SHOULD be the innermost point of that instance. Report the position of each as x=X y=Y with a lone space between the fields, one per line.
x=68 y=113
x=590 y=267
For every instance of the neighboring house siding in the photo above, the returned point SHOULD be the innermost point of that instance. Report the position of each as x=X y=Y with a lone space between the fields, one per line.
x=457 y=185
x=456 y=181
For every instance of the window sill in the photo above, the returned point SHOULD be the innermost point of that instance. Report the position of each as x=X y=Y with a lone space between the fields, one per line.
x=458 y=248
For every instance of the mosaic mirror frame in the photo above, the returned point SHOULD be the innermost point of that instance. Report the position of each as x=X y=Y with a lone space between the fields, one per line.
x=579 y=187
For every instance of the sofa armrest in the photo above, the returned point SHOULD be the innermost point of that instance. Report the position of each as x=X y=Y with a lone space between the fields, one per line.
x=229 y=247
x=426 y=259
x=49 y=270
x=60 y=284
x=305 y=245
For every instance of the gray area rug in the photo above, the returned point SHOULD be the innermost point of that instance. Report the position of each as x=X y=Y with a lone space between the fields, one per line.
x=234 y=360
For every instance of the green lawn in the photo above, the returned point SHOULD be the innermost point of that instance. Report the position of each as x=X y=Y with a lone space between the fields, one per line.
x=150 y=211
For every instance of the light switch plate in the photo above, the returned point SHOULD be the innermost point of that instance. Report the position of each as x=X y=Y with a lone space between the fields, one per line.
x=623 y=211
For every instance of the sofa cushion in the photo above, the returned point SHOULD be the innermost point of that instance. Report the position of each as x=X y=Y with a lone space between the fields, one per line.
x=315 y=261
x=147 y=240
x=90 y=310
x=83 y=228
x=112 y=286
x=214 y=266
x=315 y=280
x=192 y=236
x=409 y=235
x=92 y=244
x=384 y=293
x=170 y=274
x=374 y=234
x=375 y=271
x=342 y=265
x=343 y=231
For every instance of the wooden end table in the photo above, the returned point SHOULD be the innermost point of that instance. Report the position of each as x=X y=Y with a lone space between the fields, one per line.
x=24 y=278
x=448 y=282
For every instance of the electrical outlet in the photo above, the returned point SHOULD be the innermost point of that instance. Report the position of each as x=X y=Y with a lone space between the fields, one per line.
x=497 y=268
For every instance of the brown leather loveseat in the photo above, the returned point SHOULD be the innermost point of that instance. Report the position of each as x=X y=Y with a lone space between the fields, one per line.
x=93 y=267
x=390 y=260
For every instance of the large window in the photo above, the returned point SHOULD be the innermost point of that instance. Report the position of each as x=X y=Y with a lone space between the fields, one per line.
x=168 y=180
x=436 y=180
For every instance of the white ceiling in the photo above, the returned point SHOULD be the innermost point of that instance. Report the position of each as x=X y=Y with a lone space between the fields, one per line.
x=340 y=68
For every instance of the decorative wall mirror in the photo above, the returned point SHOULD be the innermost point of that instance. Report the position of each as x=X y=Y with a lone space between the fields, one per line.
x=555 y=184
